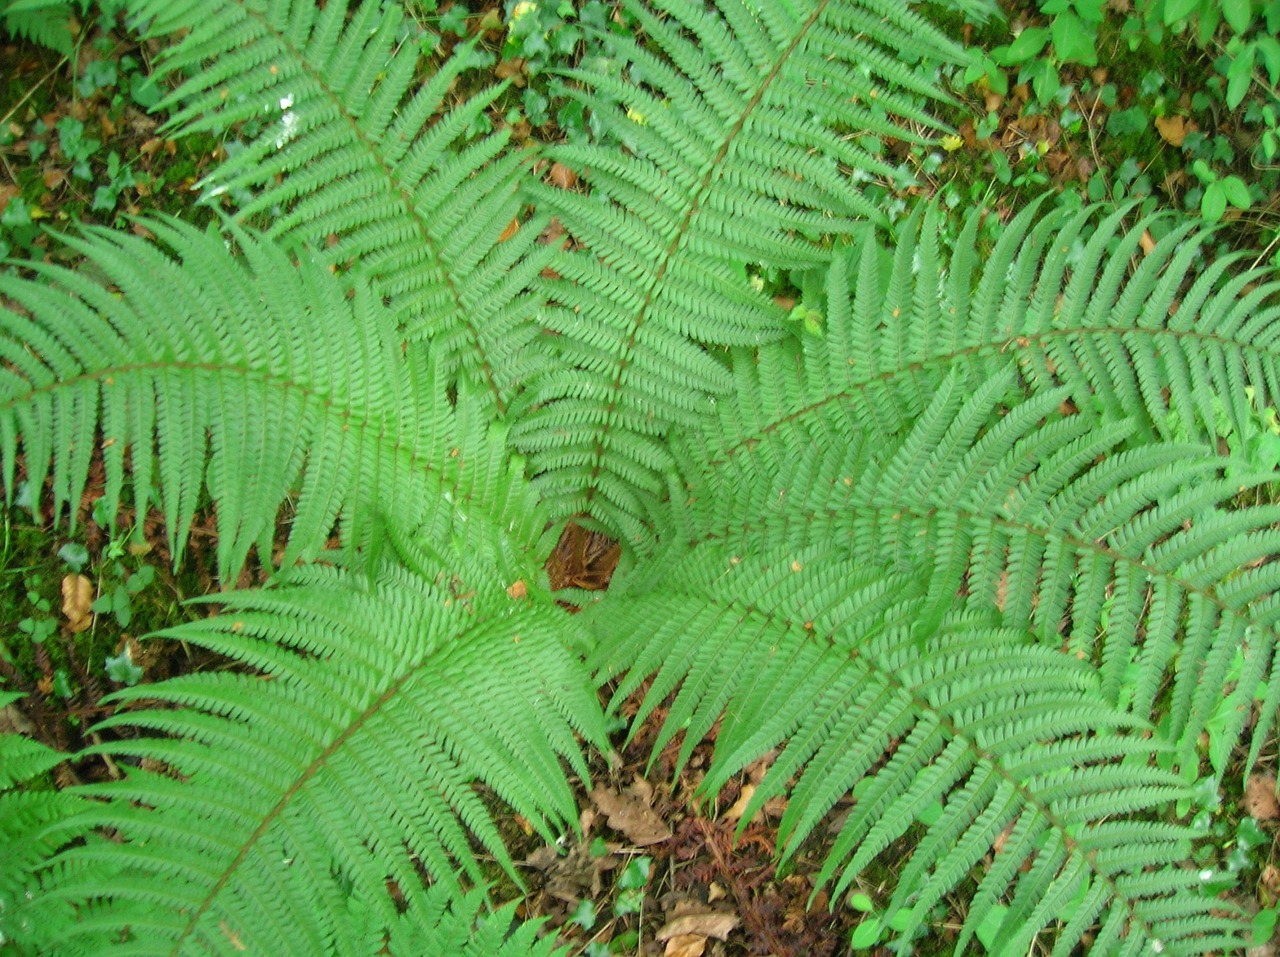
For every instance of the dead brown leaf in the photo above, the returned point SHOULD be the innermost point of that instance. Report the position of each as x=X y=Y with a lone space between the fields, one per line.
x=1260 y=797
x=740 y=806
x=641 y=790
x=572 y=876
x=686 y=945
x=562 y=177
x=13 y=721
x=630 y=813
x=1172 y=129
x=518 y=589
x=705 y=923
x=1270 y=879
x=77 y=599
x=512 y=70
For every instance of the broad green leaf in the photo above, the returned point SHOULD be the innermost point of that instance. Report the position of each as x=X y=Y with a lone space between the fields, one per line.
x=1073 y=40
x=1175 y=10
x=1240 y=77
x=1237 y=13
x=1027 y=44
x=1236 y=192
x=866 y=934
x=1214 y=203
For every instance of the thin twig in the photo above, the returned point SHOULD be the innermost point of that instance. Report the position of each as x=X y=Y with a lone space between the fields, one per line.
x=31 y=92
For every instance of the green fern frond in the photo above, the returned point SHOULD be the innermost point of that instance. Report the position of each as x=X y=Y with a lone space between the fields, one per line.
x=1125 y=580
x=1148 y=542
x=456 y=926
x=358 y=158
x=257 y=380
x=34 y=821
x=1136 y=558
x=988 y=762
x=46 y=22
x=344 y=763
x=727 y=170
x=1185 y=352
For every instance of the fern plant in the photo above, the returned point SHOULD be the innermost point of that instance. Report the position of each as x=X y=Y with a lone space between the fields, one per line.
x=962 y=544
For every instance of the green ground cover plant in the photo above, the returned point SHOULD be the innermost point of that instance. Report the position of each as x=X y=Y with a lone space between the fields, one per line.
x=1170 y=104
x=976 y=531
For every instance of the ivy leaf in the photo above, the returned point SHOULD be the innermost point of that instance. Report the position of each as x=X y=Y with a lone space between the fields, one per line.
x=121 y=669
x=585 y=915
x=75 y=555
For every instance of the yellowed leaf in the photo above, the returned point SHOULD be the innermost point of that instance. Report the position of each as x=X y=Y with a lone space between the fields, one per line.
x=686 y=945
x=77 y=599
x=740 y=806
x=1172 y=129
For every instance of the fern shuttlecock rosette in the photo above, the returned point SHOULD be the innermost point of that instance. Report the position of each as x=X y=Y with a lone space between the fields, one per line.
x=962 y=545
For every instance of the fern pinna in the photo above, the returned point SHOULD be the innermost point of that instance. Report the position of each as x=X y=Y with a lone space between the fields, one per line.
x=963 y=538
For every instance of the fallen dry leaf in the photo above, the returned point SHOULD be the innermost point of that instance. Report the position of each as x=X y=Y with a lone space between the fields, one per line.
x=1172 y=129
x=13 y=721
x=513 y=227
x=1270 y=879
x=513 y=70
x=518 y=589
x=562 y=176
x=707 y=923
x=641 y=790
x=77 y=599
x=632 y=816
x=571 y=877
x=740 y=806
x=686 y=945
x=1260 y=797
x=757 y=769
